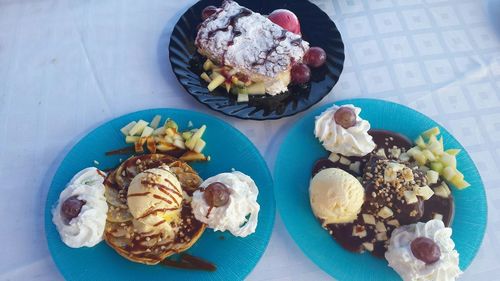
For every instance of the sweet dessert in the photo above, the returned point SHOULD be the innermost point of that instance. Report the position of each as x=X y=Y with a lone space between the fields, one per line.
x=423 y=251
x=80 y=214
x=154 y=205
x=404 y=185
x=250 y=54
x=341 y=130
x=228 y=201
x=336 y=196
x=149 y=216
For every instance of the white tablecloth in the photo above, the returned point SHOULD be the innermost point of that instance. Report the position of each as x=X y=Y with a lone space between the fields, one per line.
x=68 y=66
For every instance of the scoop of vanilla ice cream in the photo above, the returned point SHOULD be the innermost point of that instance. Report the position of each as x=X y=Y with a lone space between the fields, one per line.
x=87 y=228
x=232 y=216
x=401 y=258
x=336 y=196
x=353 y=141
x=154 y=199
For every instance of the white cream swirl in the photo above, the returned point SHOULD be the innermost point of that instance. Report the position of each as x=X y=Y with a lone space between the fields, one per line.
x=232 y=216
x=88 y=227
x=354 y=141
x=402 y=260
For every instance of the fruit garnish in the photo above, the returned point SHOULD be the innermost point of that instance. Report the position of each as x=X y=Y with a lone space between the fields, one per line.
x=425 y=250
x=345 y=117
x=315 y=57
x=207 y=12
x=216 y=194
x=429 y=151
x=300 y=73
x=286 y=19
x=71 y=208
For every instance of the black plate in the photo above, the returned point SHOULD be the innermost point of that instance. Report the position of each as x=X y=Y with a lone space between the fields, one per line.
x=317 y=29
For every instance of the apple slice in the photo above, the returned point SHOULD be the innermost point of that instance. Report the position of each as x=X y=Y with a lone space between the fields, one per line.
x=187 y=135
x=242 y=98
x=151 y=145
x=155 y=122
x=205 y=77
x=146 y=132
x=208 y=64
x=179 y=143
x=131 y=139
x=126 y=129
x=257 y=89
x=431 y=132
x=449 y=173
x=171 y=124
x=453 y=151
x=216 y=82
x=191 y=142
x=442 y=190
x=432 y=177
x=448 y=160
x=420 y=142
x=428 y=155
x=163 y=146
x=193 y=156
x=200 y=145
x=138 y=128
x=158 y=132
x=437 y=166
x=459 y=182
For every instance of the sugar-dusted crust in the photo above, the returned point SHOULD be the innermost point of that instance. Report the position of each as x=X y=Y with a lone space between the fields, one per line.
x=237 y=37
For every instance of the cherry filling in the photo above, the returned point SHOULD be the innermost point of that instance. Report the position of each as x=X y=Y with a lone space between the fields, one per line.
x=71 y=208
x=425 y=250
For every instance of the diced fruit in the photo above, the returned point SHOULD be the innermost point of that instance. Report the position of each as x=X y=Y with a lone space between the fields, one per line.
x=200 y=145
x=242 y=98
x=449 y=173
x=256 y=89
x=380 y=227
x=315 y=57
x=227 y=86
x=407 y=174
x=442 y=190
x=159 y=131
x=381 y=153
x=151 y=145
x=300 y=73
x=208 y=65
x=459 y=182
x=448 y=160
x=334 y=157
x=193 y=156
x=393 y=222
x=432 y=177
x=237 y=82
x=381 y=236
x=126 y=129
x=420 y=142
x=155 y=122
x=171 y=124
x=419 y=157
x=410 y=197
x=428 y=155
x=437 y=166
x=187 y=135
x=345 y=117
x=359 y=231
x=216 y=82
x=431 y=132
x=147 y=131
x=139 y=145
x=169 y=139
x=435 y=146
x=355 y=167
x=404 y=157
x=138 y=128
x=368 y=246
x=205 y=77
x=191 y=142
x=344 y=161
x=424 y=191
x=453 y=151
x=165 y=147
x=438 y=217
x=170 y=132
x=131 y=139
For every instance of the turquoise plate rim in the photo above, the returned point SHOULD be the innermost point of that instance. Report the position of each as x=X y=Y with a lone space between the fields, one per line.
x=255 y=247
x=316 y=244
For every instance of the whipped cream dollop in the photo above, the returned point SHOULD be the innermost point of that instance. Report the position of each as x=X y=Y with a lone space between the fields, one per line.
x=233 y=215
x=353 y=141
x=87 y=228
x=402 y=260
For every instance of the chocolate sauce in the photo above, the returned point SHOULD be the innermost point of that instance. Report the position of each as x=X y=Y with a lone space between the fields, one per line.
x=420 y=211
x=187 y=261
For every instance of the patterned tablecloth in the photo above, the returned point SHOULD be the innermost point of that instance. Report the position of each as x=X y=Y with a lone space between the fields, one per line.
x=68 y=66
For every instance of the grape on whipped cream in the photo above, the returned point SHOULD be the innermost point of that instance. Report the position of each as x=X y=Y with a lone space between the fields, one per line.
x=228 y=201
x=341 y=130
x=80 y=214
x=423 y=251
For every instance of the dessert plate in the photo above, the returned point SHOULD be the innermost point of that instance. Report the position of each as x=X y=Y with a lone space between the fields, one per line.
x=295 y=160
x=317 y=29
x=234 y=257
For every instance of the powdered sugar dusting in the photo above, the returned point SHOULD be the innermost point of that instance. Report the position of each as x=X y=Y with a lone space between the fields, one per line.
x=249 y=42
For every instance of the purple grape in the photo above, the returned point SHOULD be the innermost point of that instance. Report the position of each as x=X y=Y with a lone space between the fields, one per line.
x=315 y=57
x=345 y=117
x=300 y=73
x=216 y=194
x=425 y=250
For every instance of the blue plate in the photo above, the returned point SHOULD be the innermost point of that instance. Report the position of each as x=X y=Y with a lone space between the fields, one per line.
x=293 y=168
x=228 y=148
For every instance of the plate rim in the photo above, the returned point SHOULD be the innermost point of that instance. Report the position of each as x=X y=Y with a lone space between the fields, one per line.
x=279 y=202
x=47 y=207
x=307 y=107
